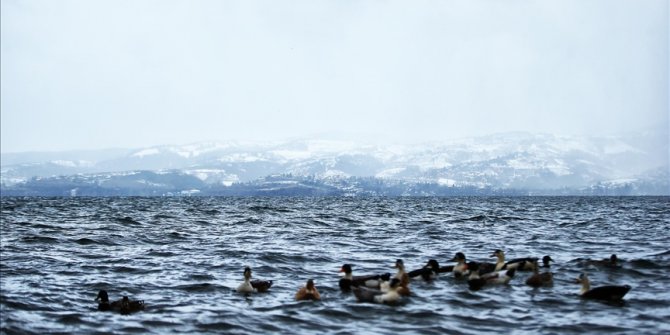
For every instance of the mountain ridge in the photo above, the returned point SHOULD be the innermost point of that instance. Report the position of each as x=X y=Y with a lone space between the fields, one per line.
x=509 y=161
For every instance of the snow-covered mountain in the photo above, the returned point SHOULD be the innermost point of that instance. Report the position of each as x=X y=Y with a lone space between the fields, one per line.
x=502 y=161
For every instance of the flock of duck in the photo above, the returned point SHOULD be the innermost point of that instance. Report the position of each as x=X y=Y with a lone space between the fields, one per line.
x=388 y=288
x=385 y=288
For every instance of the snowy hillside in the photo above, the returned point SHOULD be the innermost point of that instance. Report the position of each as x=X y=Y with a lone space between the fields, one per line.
x=503 y=161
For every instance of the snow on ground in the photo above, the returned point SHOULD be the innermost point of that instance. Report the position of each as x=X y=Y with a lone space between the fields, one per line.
x=446 y=182
x=390 y=173
x=146 y=152
x=67 y=163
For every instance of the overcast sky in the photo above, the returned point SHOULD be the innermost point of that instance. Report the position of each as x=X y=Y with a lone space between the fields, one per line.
x=99 y=74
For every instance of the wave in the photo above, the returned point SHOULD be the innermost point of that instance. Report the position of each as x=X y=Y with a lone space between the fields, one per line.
x=184 y=257
x=38 y=239
x=127 y=220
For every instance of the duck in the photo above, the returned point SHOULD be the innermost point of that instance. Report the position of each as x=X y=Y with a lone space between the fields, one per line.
x=124 y=306
x=607 y=293
x=308 y=292
x=461 y=268
x=611 y=262
x=402 y=277
x=364 y=294
x=538 y=279
x=427 y=272
x=249 y=286
x=349 y=281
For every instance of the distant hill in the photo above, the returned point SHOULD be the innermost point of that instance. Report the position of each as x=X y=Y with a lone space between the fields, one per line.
x=509 y=163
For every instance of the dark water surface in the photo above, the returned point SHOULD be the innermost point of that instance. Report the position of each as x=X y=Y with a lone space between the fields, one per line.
x=185 y=257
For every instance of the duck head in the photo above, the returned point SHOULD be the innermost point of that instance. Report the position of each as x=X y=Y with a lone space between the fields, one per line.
x=247 y=273
x=546 y=260
x=346 y=268
x=614 y=259
x=310 y=285
x=584 y=280
x=399 y=265
x=433 y=265
x=102 y=296
x=459 y=257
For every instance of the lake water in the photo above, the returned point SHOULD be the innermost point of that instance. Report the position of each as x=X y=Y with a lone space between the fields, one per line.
x=185 y=256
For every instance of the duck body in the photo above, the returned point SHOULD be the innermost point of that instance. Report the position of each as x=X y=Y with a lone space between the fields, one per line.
x=605 y=293
x=245 y=287
x=522 y=264
x=486 y=267
x=608 y=292
x=540 y=279
x=611 y=262
x=446 y=269
x=373 y=281
x=364 y=294
x=250 y=286
x=481 y=267
x=428 y=272
x=103 y=302
x=499 y=277
x=131 y=306
x=459 y=270
x=476 y=280
x=308 y=292
x=124 y=306
x=349 y=281
x=261 y=285
x=402 y=277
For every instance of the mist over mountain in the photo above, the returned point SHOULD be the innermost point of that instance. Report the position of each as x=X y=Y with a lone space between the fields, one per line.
x=507 y=163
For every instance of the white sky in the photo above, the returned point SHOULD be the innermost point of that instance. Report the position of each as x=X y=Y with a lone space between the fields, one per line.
x=98 y=74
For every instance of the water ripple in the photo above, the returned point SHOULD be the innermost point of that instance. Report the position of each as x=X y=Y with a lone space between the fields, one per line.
x=185 y=256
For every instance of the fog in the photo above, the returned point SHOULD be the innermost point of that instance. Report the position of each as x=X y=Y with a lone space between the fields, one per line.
x=109 y=74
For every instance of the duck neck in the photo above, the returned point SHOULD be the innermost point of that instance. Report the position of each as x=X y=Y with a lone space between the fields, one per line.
x=586 y=285
x=536 y=270
x=348 y=276
x=460 y=266
x=501 y=261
